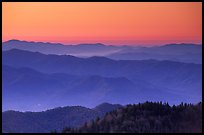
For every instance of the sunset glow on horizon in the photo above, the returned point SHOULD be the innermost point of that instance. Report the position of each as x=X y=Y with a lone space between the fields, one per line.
x=113 y=23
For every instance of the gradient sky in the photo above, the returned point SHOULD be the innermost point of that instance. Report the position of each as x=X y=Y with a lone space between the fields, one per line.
x=116 y=23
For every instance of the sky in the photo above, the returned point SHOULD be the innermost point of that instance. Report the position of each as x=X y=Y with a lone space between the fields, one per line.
x=113 y=23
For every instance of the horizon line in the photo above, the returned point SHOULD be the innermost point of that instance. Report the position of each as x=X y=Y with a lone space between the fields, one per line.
x=66 y=44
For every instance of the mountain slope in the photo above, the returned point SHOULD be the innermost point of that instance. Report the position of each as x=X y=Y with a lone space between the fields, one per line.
x=21 y=86
x=147 y=118
x=178 y=78
x=47 y=121
x=189 y=53
x=60 y=49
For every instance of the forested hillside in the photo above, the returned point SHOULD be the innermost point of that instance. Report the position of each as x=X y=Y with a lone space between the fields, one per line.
x=148 y=117
x=53 y=119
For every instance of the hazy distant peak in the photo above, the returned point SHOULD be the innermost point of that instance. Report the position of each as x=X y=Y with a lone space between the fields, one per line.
x=182 y=44
x=13 y=40
x=14 y=50
x=29 y=53
x=19 y=41
x=91 y=44
x=99 y=58
x=23 y=41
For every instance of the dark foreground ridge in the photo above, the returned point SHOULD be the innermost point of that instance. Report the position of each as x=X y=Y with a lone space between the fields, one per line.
x=57 y=118
x=148 y=117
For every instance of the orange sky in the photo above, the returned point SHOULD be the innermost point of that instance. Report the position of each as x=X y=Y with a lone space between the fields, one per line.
x=117 y=23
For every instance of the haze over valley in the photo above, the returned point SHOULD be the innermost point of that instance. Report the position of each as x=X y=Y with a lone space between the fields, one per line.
x=29 y=71
x=101 y=67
